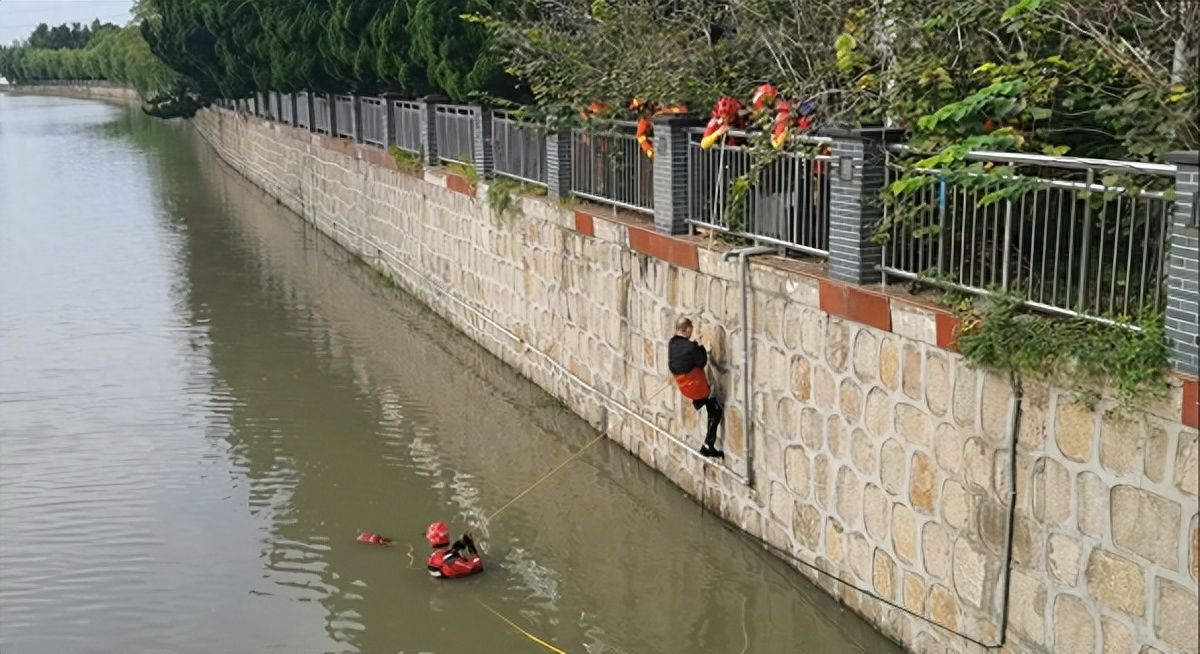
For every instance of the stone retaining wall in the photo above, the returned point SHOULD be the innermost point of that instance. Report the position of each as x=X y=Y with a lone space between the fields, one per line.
x=879 y=456
x=116 y=94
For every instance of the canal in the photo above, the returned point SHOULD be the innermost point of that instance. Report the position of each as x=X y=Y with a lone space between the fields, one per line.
x=203 y=401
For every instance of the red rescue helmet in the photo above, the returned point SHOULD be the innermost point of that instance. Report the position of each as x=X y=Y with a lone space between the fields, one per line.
x=438 y=534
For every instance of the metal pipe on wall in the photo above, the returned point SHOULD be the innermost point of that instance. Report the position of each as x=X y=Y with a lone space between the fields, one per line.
x=743 y=255
x=1014 y=434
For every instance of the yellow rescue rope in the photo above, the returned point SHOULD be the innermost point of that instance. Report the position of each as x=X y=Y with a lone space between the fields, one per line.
x=528 y=635
x=544 y=478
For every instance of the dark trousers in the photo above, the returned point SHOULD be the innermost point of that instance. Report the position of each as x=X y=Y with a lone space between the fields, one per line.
x=715 y=414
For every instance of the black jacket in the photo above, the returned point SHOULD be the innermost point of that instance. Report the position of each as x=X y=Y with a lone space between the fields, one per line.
x=683 y=355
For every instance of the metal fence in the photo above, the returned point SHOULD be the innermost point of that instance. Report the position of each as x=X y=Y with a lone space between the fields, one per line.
x=344 y=116
x=302 y=117
x=607 y=166
x=518 y=148
x=785 y=201
x=1081 y=237
x=320 y=103
x=374 y=121
x=455 y=131
x=408 y=125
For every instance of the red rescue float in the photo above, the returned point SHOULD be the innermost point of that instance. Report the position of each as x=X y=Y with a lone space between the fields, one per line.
x=374 y=539
x=449 y=560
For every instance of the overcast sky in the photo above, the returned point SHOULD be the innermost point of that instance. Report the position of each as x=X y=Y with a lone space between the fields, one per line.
x=19 y=17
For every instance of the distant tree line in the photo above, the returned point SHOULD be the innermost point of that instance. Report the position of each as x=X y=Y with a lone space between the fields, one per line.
x=71 y=36
x=99 y=51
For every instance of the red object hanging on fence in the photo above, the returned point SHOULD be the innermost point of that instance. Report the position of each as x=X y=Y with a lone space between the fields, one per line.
x=726 y=114
x=647 y=111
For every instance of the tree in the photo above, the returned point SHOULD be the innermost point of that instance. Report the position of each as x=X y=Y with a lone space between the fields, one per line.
x=574 y=52
x=233 y=48
x=1092 y=79
x=392 y=44
x=455 y=54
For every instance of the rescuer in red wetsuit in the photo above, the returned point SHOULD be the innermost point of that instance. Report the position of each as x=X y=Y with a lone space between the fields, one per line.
x=686 y=360
x=448 y=560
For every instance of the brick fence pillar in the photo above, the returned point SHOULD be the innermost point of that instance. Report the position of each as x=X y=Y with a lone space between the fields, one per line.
x=671 y=133
x=312 y=110
x=389 y=120
x=1183 y=268
x=356 y=118
x=290 y=99
x=331 y=105
x=428 y=124
x=558 y=164
x=856 y=177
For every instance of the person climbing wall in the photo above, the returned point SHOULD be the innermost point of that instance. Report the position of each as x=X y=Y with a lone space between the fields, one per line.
x=687 y=359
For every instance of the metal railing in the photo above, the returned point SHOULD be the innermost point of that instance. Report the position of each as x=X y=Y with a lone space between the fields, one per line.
x=408 y=125
x=1073 y=236
x=607 y=166
x=784 y=202
x=320 y=113
x=302 y=117
x=374 y=121
x=344 y=116
x=1077 y=237
x=518 y=148
x=454 y=127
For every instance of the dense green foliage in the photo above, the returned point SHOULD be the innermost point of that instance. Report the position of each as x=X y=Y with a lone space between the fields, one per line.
x=1111 y=78
x=233 y=48
x=574 y=52
x=1086 y=355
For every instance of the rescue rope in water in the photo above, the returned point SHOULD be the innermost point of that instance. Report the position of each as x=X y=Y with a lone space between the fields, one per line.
x=543 y=478
x=379 y=540
x=525 y=633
